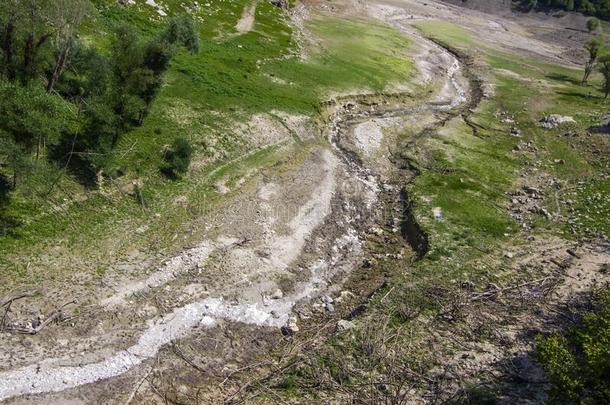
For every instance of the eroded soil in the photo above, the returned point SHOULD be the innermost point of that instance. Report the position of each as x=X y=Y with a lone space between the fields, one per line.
x=279 y=251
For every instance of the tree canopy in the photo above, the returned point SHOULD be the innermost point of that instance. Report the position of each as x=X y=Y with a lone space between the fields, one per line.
x=598 y=8
x=66 y=103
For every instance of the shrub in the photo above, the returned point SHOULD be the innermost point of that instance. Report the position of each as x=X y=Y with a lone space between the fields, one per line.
x=578 y=363
x=177 y=158
x=592 y=24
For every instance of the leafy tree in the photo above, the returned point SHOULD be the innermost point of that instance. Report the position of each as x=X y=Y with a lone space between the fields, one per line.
x=35 y=30
x=181 y=30
x=598 y=8
x=593 y=48
x=177 y=158
x=30 y=119
x=604 y=68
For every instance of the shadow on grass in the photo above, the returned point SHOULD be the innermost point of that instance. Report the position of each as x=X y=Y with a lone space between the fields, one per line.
x=600 y=129
x=588 y=96
x=563 y=78
x=8 y=224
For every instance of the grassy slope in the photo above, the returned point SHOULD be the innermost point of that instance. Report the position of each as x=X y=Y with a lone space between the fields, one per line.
x=467 y=177
x=205 y=96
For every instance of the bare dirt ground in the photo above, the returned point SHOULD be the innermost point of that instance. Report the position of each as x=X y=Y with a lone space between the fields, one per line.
x=248 y=17
x=276 y=252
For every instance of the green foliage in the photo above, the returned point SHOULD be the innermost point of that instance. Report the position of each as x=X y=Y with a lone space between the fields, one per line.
x=579 y=363
x=31 y=118
x=593 y=24
x=604 y=69
x=177 y=158
x=598 y=8
x=593 y=47
x=119 y=91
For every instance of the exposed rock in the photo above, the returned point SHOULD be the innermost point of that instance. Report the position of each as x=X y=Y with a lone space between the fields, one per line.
x=555 y=120
x=344 y=324
x=327 y=299
x=221 y=188
x=532 y=190
x=291 y=326
x=543 y=211
x=280 y=3
x=277 y=294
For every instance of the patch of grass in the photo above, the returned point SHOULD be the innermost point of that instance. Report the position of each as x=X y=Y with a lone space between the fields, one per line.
x=589 y=208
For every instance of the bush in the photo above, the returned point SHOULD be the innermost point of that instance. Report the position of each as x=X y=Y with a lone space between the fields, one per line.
x=592 y=24
x=177 y=158
x=578 y=363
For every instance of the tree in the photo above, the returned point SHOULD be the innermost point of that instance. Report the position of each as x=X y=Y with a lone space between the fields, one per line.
x=37 y=32
x=593 y=47
x=30 y=119
x=592 y=24
x=66 y=16
x=604 y=69
x=25 y=30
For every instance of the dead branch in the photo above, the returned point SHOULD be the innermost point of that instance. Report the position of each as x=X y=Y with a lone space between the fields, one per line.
x=138 y=386
x=494 y=292
x=50 y=318
x=178 y=352
x=16 y=296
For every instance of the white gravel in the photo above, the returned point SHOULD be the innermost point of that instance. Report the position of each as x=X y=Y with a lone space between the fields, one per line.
x=368 y=136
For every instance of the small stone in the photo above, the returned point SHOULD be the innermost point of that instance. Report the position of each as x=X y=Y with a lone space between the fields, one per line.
x=277 y=294
x=344 y=324
x=327 y=299
x=329 y=307
x=291 y=327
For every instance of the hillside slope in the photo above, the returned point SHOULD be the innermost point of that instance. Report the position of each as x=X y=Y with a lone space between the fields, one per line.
x=387 y=201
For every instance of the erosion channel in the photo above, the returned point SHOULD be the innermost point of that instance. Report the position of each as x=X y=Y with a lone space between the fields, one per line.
x=355 y=190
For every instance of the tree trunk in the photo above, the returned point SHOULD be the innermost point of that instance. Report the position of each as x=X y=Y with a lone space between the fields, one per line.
x=60 y=64
x=27 y=56
x=7 y=47
x=30 y=52
x=588 y=69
